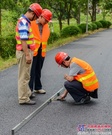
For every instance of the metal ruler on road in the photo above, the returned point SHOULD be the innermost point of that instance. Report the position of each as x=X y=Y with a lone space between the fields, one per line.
x=40 y=108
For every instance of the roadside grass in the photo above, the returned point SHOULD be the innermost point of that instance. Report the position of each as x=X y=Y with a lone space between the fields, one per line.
x=55 y=27
x=4 y=64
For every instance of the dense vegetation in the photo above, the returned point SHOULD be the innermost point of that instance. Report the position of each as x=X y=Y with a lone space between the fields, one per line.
x=68 y=19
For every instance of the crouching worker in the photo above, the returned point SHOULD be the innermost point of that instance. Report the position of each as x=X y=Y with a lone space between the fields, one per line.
x=81 y=82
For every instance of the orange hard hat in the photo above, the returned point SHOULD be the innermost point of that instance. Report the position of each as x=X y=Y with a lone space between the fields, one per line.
x=60 y=57
x=47 y=14
x=36 y=8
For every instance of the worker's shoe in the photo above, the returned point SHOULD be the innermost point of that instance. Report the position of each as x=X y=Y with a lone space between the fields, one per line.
x=32 y=95
x=41 y=91
x=84 y=100
x=30 y=102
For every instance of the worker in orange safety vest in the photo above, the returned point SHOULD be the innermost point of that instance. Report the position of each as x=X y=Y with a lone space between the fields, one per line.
x=81 y=82
x=41 y=33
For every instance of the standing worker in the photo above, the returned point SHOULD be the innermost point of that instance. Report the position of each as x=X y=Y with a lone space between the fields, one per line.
x=82 y=82
x=41 y=33
x=24 y=50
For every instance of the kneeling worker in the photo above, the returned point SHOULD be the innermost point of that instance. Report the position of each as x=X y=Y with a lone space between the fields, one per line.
x=81 y=83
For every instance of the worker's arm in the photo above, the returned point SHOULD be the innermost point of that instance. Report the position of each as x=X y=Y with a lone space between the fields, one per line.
x=26 y=51
x=68 y=77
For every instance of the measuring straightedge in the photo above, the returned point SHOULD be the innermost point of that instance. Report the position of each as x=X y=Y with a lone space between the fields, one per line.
x=40 y=108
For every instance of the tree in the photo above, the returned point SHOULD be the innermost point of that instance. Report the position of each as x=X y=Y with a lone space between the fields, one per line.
x=106 y=6
x=64 y=9
x=58 y=8
x=92 y=9
x=0 y=18
x=80 y=6
x=68 y=7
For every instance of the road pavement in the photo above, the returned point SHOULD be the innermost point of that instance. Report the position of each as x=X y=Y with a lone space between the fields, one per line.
x=61 y=118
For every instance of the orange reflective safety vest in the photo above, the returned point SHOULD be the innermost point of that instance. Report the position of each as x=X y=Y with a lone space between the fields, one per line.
x=88 y=78
x=40 y=39
x=30 y=41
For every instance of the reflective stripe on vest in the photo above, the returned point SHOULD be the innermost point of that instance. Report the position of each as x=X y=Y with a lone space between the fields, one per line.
x=30 y=41
x=44 y=44
x=37 y=44
x=91 y=83
x=88 y=78
x=40 y=39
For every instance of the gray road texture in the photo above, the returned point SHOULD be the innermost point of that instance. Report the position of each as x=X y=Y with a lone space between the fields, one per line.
x=61 y=118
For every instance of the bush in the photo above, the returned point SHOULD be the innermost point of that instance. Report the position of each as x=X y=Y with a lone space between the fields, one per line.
x=7 y=48
x=53 y=37
x=70 y=31
x=99 y=24
x=108 y=24
x=82 y=26
x=104 y=23
x=94 y=26
x=90 y=27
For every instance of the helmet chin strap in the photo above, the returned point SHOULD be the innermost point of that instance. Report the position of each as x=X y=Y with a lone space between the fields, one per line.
x=33 y=17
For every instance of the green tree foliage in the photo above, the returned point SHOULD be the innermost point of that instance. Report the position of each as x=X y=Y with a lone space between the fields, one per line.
x=58 y=8
x=106 y=7
x=62 y=10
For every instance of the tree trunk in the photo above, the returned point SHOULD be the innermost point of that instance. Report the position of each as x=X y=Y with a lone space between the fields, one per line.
x=94 y=2
x=78 y=15
x=68 y=21
x=60 y=23
x=0 y=22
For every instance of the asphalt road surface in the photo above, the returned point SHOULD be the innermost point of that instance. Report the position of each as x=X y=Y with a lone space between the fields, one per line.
x=61 y=118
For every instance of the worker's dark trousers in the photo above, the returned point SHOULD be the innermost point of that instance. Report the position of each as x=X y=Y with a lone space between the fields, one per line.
x=37 y=64
x=76 y=90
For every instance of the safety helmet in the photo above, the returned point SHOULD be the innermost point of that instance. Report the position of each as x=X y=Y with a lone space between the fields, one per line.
x=47 y=14
x=60 y=57
x=36 y=8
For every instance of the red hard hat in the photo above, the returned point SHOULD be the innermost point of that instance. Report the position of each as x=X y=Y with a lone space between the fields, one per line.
x=36 y=8
x=60 y=57
x=47 y=14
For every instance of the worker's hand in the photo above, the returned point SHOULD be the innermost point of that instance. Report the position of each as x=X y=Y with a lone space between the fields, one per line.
x=68 y=78
x=28 y=59
x=61 y=98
